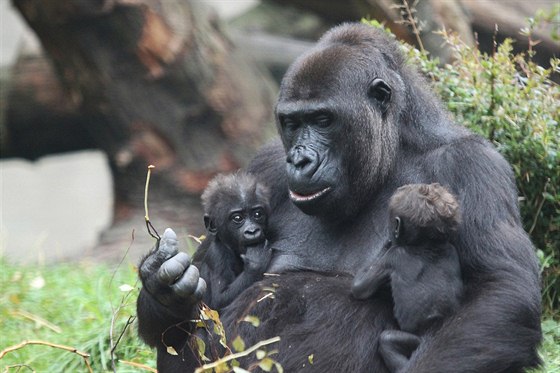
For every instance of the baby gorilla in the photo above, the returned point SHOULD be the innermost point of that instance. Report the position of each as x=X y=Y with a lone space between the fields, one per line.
x=420 y=265
x=235 y=254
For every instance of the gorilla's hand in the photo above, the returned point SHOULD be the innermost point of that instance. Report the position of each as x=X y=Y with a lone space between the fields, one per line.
x=257 y=258
x=168 y=276
x=396 y=347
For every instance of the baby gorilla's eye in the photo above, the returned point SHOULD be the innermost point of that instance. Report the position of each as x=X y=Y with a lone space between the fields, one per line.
x=258 y=214
x=237 y=218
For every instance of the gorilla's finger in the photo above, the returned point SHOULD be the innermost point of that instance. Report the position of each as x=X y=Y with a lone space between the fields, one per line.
x=362 y=285
x=168 y=245
x=165 y=249
x=200 y=289
x=188 y=283
x=173 y=268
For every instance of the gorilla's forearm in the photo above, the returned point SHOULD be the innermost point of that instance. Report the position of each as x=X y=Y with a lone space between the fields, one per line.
x=498 y=331
x=229 y=292
x=498 y=327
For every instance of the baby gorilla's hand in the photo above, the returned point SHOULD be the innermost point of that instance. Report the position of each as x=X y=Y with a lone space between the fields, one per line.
x=257 y=258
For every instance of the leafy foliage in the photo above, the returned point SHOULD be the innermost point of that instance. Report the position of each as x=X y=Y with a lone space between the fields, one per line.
x=550 y=348
x=210 y=323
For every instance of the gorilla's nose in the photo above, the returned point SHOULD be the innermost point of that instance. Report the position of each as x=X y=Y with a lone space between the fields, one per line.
x=252 y=234
x=303 y=159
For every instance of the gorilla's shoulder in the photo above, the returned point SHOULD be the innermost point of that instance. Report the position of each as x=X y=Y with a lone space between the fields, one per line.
x=476 y=151
x=472 y=165
x=270 y=155
x=269 y=167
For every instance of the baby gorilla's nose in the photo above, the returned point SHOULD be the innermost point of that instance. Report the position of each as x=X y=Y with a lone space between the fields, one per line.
x=252 y=234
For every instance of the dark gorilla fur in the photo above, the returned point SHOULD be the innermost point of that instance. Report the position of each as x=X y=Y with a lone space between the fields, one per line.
x=235 y=254
x=356 y=122
x=316 y=318
x=420 y=265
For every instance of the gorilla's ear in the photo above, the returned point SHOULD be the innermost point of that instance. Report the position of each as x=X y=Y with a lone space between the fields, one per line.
x=397 y=228
x=380 y=92
x=209 y=224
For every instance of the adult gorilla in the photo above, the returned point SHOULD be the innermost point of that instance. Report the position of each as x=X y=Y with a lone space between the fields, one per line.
x=356 y=123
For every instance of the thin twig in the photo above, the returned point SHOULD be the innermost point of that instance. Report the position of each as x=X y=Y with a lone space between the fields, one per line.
x=138 y=365
x=114 y=346
x=112 y=328
x=237 y=355
x=412 y=22
x=539 y=208
x=151 y=230
x=38 y=320
x=128 y=323
x=18 y=366
x=121 y=261
x=116 y=311
x=198 y=240
x=84 y=355
x=268 y=295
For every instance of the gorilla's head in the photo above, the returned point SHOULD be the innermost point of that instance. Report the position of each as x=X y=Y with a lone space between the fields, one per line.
x=236 y=210
x=337 y=115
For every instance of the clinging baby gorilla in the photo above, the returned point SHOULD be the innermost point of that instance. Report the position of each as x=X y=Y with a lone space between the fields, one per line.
x=420 y=264
x=235 y=254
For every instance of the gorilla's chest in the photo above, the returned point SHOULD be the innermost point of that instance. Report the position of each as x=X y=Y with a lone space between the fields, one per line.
x=306 y=242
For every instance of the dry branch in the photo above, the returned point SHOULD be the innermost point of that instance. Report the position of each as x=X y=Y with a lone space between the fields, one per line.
x=74 y=350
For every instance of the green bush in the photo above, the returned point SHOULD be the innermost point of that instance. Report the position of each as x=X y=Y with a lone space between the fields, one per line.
x=514 y=103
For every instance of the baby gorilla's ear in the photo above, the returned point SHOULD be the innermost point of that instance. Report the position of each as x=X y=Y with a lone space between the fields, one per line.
x=210 y=224
x=397 y=228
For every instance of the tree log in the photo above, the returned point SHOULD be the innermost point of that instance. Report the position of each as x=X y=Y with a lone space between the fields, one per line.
x=430 y=15
x=275 y=52
x=460 y=16
x=160 y=84
x=39 y=117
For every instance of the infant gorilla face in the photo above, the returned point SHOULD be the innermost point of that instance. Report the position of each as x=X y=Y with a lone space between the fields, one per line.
x=246 y=226
x=236 y=211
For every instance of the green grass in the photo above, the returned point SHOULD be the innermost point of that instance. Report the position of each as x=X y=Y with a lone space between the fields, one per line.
x=70 y=305
x=73 y=305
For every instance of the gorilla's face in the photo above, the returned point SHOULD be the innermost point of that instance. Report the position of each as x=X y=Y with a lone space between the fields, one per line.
x=335 y=120
x=316 y=174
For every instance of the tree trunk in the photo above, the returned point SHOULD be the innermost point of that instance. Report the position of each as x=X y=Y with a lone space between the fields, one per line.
x=430 y=16
x=160 y=84
x=156 y=82
x=39 y=117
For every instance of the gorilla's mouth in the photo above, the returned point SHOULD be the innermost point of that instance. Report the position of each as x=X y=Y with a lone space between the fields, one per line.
x=296 y=197
x=253 y=242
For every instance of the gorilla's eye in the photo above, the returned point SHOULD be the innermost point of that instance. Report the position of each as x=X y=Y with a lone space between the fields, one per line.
x=287 y=123
x=258 y=214
x=380 y=91
x=236 y=217
x=322 y=120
